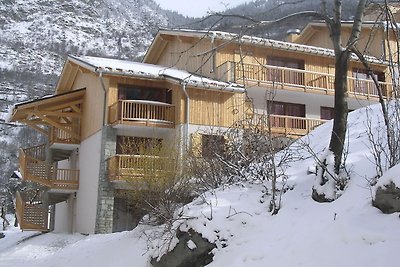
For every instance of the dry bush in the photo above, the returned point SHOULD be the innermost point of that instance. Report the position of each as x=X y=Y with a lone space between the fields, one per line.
x=159 y=186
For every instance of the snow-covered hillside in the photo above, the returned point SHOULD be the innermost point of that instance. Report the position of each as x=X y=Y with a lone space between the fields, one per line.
x=346 y=232
x=36 y=34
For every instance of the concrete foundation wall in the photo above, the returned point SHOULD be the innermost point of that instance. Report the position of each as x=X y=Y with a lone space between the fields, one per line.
x=86 y=202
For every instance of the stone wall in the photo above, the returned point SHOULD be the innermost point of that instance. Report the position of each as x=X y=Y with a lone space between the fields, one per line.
x=105 y=201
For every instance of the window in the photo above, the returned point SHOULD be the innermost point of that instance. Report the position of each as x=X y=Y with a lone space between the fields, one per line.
x=287 y=109
x=286 y=76
x=212 y=145
x=327 y=113
x=132 y=92
x=129 y=145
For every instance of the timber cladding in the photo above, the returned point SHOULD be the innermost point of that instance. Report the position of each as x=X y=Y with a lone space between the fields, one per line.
x=92 y=111
x=207 y=107
x=189 y=54
x=214 y=108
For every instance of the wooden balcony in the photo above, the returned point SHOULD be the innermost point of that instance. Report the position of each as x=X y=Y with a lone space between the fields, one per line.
x=128 y=167
x=64 y=136
x=142 y=113
x=296 y=79
x=31 y=213
x=35 y=168
x=285 y=125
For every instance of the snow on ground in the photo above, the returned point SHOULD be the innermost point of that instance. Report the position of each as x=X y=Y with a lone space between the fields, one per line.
x=346 y=232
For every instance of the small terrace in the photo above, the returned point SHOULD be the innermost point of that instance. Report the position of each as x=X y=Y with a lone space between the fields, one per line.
x=131 y=167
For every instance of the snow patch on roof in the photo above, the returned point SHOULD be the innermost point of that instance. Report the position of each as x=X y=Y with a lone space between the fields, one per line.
x=252 y=40
x=137 y=69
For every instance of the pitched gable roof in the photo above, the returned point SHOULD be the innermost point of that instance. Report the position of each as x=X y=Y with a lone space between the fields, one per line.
x=117 y=67
x=244 y=39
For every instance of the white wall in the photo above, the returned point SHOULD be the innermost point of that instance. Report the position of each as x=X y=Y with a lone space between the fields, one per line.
x=64 y=216
x=312 y=102
x=86 y=201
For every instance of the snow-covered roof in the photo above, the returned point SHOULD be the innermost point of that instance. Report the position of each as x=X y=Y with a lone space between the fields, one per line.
x=264 y=42
x=137 y=69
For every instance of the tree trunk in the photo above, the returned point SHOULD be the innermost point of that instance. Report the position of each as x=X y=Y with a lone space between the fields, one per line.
x=338 y=136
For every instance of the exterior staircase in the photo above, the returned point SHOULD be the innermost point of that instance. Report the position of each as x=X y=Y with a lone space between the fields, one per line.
x=36 y=168
x=57 y=184
x=31 y=213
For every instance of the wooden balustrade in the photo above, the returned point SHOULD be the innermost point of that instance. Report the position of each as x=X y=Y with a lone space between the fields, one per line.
x=288 y=78
x=61 y=136
x=123 y=167
x=42 y=172
x=30 y=213
x=287 y=125
x=139 y=112
x=37 y=152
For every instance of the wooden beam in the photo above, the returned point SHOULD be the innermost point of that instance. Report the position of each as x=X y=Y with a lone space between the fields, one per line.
x=71 y=78
x=64 y=105
x=57 y=113
x=60 y=126
x=76 y=108
x=185 y=39
x=37 y=128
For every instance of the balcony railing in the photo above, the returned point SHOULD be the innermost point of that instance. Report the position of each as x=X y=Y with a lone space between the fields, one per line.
x=288 y=78
x=30 y=212
x=285 y=125
x=35 y=168
x=126 y=167
x=140 y=112
x=61 y=136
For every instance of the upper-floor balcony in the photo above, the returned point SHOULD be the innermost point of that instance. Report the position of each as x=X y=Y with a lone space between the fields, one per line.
x=65 y=138
x=142 y=113
x=298 y=79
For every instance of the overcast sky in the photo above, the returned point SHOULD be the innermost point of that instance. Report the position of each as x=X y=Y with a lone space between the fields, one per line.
x=198 y=8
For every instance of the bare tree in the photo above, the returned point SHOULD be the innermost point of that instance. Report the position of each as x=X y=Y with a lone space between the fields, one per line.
x=343 y=52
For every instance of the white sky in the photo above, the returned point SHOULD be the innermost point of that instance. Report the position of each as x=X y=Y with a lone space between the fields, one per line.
x=198 y=8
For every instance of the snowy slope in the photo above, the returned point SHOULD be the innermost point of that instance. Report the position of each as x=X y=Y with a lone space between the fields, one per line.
x=346 y=232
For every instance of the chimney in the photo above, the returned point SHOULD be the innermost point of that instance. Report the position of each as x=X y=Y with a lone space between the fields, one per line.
x=292 y=34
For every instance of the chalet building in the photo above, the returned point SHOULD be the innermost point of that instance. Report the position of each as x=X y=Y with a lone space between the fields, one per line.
x=99 y=104
x=190 y=85
x=293 y=82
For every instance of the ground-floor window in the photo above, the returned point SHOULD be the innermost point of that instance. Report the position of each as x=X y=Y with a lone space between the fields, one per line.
x=327 y=113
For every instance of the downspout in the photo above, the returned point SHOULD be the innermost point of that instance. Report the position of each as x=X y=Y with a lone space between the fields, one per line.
x=187 y=113
x=105 y=97
x=213 y=61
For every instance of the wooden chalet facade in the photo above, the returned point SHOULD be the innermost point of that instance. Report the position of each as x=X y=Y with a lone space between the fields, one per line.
x=97 y=105
x=191 y=82
x=295 y=81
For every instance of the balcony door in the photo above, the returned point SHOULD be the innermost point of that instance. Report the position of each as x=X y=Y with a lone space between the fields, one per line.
x=287 y=109
x=286 y=75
